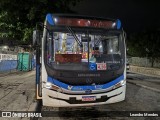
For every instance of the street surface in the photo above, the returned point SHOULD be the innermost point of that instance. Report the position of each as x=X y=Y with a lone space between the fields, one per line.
x=17 y=94
x=17 y=91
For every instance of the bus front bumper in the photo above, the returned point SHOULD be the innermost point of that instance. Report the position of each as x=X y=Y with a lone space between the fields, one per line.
x=57 y=99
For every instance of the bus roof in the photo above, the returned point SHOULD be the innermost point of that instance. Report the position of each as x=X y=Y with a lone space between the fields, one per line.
x=82 y=17
x=82 y=21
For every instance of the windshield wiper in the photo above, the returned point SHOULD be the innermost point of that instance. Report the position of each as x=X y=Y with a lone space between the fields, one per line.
x=74 y=35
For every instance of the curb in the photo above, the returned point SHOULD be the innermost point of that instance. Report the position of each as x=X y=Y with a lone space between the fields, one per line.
x=156 y=76
x=13 y=73
x=145 y=70
x=150 y=88
x=2 y=74
x=35 y=106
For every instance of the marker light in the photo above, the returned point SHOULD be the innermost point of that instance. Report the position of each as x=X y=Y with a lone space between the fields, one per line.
x=111 y=50
x=50 y=19
x=118 y=22
x=114 y=24
x=5 y=47
x=48 y=85
x=55 y=20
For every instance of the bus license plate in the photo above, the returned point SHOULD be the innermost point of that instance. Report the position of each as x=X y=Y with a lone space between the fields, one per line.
x=88 y=98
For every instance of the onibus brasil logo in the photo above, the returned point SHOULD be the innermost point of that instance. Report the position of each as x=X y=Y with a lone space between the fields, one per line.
x=21 y=114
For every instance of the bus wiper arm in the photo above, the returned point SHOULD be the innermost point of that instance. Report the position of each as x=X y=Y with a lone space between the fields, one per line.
x=97 y=43
x=74 y=35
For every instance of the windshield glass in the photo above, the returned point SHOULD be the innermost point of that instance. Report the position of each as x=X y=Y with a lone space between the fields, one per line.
x=84 y=49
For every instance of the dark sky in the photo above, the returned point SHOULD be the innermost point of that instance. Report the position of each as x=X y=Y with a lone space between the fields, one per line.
x=135 y=15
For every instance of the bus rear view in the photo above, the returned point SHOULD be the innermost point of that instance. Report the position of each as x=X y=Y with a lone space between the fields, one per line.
x=83 y=61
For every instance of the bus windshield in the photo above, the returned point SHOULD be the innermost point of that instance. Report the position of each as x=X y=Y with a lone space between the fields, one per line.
x=84 y=49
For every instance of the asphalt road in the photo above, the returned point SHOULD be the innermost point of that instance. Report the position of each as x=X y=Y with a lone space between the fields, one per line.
x=17 y=94
x=17 y=91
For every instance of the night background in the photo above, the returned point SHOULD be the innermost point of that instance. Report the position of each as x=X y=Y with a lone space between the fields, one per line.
x=140 y=20
x=136 y=15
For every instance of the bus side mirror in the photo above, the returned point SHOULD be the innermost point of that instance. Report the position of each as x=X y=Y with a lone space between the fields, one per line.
x=125 y=35
x=36 y=37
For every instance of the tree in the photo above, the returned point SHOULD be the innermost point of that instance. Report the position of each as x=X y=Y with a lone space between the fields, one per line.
x=145 y=44
x=19 y=17
x=136 y=45
x=153 y=49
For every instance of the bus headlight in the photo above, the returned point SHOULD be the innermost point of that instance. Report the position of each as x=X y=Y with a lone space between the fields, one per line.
x=121 y=83
x=53 y=87
x=48 y=85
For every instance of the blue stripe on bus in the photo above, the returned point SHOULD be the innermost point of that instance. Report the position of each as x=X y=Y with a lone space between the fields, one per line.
x=85 y=87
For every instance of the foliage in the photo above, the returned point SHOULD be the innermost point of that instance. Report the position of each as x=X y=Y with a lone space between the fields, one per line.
x=19 y=17
x=145 y=44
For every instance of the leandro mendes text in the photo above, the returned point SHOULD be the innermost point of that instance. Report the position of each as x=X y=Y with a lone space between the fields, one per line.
x=145 y=114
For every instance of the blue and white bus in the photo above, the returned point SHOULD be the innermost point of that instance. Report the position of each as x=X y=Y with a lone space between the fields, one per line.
x=81 y=61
